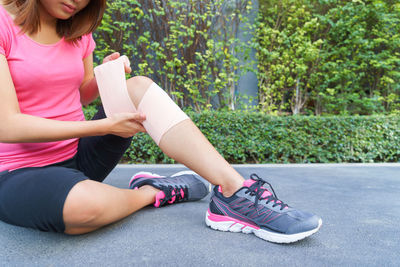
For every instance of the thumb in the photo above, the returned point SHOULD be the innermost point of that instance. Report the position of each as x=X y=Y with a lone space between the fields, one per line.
x=139 y=117
x=134 y=116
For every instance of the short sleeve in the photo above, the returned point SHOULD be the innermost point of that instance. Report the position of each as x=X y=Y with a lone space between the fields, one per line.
x=2 y=49
x=2 y=43
x=4 y=33
x=88 y=45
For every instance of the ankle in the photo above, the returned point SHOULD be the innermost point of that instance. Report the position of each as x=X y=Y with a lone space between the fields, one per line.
x=149 y=189
x=229 y=189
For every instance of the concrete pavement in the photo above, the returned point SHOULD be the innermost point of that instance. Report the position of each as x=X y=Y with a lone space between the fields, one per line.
x=359 y=205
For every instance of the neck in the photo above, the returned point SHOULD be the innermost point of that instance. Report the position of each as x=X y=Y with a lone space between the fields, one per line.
x=47 y=33
x=46 y=20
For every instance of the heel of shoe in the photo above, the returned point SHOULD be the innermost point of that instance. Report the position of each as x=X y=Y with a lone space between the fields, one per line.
x=143 y=175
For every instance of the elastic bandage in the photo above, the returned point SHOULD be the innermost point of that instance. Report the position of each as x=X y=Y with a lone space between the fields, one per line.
x=161 y=111
x=111 y=82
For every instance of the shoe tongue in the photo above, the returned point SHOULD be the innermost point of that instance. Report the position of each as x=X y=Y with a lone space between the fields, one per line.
x=250 y=182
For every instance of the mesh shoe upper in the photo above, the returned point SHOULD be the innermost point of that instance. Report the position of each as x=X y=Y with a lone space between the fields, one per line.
x=179 y=188
x=253 y=204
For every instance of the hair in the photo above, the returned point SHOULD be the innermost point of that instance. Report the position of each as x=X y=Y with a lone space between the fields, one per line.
x=72 y=29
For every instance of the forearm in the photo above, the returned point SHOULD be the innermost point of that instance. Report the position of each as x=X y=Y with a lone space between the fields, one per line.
x=22 y=128
x=89 y=91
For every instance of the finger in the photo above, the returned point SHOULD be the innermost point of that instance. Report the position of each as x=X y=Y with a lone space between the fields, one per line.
x=128 y=69
x=138 y=127
x=138 y=117
x=113 y=56
x=142 y=129
x=135 y=126
x=131 y=116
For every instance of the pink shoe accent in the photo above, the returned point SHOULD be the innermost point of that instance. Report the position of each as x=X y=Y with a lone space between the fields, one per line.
x=173 y=198
x=143 y=175
x=248 y=183
x=221 y=218
x=159 y=196
x=146 y=176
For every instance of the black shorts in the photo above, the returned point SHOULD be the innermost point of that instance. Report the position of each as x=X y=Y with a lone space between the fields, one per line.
x=34 y=197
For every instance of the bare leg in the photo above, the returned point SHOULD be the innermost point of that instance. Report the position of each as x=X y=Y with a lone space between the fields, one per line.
x=186 y=144
x=91 y=205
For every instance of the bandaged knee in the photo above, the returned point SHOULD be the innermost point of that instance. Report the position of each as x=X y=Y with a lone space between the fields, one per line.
x=161 y=111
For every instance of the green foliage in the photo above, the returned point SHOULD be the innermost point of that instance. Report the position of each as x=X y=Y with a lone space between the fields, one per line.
x=329 y=57
x=243 y=137
x=314 y=57
x=89 y=111
x=188 y=47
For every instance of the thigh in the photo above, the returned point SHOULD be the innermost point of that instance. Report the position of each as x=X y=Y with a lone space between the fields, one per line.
x=98 y=155
x=34 y=197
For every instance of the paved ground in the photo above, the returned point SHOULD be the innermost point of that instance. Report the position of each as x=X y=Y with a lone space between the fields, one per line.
x=360 y=206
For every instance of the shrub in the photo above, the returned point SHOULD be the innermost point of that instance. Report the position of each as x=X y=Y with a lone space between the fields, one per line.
x=243 y=137
x=329 y=57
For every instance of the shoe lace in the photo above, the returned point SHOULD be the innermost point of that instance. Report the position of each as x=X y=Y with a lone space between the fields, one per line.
x=258 y=190
x=174 y=194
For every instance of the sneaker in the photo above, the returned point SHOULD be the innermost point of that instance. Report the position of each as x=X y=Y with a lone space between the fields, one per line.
x=254 y=209
x=180 y=187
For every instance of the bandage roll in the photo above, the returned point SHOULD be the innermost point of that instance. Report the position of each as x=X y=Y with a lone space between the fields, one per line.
x=161 y=111
x=111 y=82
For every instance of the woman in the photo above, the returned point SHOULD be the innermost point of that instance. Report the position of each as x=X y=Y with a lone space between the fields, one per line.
x=52 y=161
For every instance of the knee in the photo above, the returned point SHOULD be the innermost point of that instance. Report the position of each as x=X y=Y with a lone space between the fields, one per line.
x=137 y=87
x=81 y=208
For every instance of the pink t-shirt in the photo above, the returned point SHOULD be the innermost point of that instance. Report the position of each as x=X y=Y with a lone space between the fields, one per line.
x=47 y=80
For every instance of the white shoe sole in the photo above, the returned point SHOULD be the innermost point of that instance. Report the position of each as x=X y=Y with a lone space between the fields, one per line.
x=236 y=227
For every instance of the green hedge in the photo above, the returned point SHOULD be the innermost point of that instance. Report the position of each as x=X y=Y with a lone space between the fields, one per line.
x=329 y=57
x=244 y=137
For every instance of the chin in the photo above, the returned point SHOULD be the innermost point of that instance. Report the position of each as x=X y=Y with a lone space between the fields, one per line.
x=63 y=16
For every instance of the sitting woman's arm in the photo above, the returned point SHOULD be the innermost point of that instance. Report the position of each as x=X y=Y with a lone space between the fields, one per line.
x=16 y=127
x=88 y=90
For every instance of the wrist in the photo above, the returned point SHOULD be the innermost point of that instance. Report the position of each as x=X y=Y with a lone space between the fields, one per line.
x=102 y=127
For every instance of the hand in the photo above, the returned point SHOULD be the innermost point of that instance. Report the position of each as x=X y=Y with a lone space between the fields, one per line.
x=125 y=124
x=114 y=56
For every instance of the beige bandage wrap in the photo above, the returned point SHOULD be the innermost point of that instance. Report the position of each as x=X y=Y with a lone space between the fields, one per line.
x=161 y=112
x=111 y=82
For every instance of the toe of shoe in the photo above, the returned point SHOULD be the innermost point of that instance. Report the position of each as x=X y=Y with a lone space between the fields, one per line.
x=198 y=191
x=198 y=186
x=304 y=225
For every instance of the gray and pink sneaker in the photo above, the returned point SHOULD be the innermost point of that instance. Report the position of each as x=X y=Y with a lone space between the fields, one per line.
x=254 y=209
x=180 y=187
